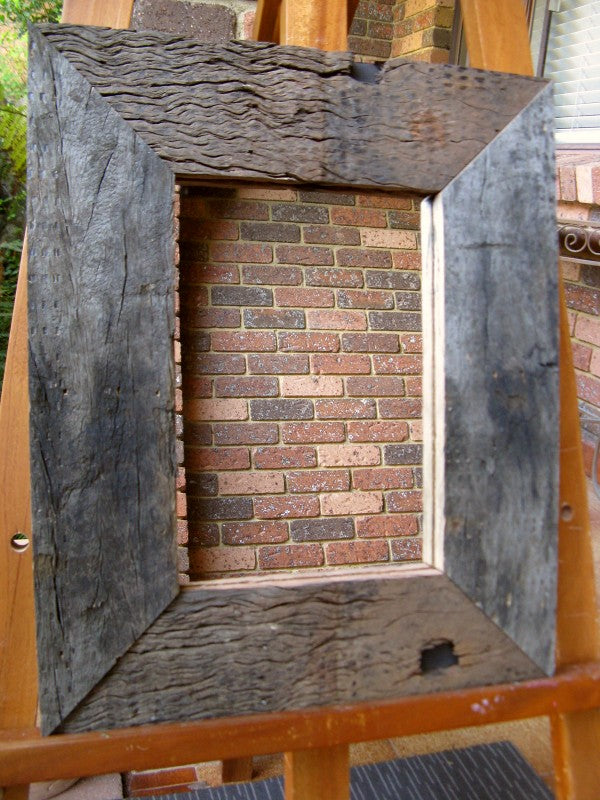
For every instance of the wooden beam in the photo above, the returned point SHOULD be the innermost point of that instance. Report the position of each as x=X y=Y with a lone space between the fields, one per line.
x=315 y=23
x=18 y=670
x=153 y=746
x=323 y=772
x=497 y=39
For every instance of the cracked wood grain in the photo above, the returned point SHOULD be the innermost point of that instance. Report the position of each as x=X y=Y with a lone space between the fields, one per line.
x=494 y=390
x=257 y=110
x=218 y=651
x=101 y=321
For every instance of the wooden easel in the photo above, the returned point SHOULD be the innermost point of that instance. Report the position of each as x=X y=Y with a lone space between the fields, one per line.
x=316 y=741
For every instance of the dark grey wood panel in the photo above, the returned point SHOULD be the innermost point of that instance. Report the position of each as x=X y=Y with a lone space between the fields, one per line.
x=101 y=321
x=495 y=339
x=289 y=644
x=256 y=110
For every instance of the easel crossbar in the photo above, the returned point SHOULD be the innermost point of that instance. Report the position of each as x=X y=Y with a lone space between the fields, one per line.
x=153 y=746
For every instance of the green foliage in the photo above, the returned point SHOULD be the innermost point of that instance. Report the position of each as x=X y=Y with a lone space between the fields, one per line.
x=19 y=12
x=14 y=15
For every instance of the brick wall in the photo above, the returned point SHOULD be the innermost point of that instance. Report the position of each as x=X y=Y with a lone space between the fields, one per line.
x=300 y=320
x=578 y=191
x=423 y=29
x=370 y=35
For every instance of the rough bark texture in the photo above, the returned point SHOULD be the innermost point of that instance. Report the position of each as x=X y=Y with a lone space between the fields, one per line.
x=101 y=381
x=256 y=110
x=495 y=392
x=298 y=643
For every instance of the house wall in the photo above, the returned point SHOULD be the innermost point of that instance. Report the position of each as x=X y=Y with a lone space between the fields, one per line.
x=578 y=191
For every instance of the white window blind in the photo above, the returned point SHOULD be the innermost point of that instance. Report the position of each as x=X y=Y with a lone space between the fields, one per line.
x=573 y=61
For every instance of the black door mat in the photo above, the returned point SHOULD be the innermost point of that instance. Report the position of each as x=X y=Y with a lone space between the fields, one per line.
x=484 y=772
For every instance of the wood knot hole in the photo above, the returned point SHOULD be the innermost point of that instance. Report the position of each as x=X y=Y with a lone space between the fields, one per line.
x=19 y=542
x=438 y=656
x=566 y=512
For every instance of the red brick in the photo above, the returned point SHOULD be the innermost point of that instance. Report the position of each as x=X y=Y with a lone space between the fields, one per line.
x=238 y=209
x=377 y=431
x=406 y=260
x=356 y=552
x=412 y=342
x=213 y=273
x=221 y=508
x=325 y=480
x=251 y=483
x=384 y=200
x=300 y=432
x=309 y=342
x=246 y=433
x=403 y=454
x=197 y=387
x=336 y=320
x=329 y=234
x=274 y=318
x=407 y=549
x=334 y=277
x=342 y=503
x=237 y=252
x=271 y=194
x=299 y=212
x=408 y=301
x=217 y=458
x=244 y=341
x=401 y=478
x=395 y=320
x=312 y=386
x=359 y=257
x=193 y=230
x=286 y=507
x=387 y=525
x=195 y=297
x=400 y=409
x=197 y=434
x=255 y=532
x=416 y=430
x=210 y=364
x=370 y=298
x=290 y=556
x=322 y=528
x=270 y=232
x=414 y=386
x=375 y=387
x=203 y=534
x=279 y=364
x=370 y=342
x=583 y=298
x=348 y=455
x=246 y=387
x=215 y=318
x=405 y=219
x=305 y=298
x=308 y=255
x=272 y=275
x=241 y=296
x=216 y=409
x=181 y=505
x=588 y=389
x=284 y=457
x=567 y=184
x=359 y=216
x=282 y=409
x=346 y=409
x=404 y=501
x=388 y=279
x=341 y=364
x=221 y=559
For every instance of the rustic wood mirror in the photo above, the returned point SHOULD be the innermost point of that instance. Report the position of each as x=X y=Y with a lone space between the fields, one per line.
x=115 y=117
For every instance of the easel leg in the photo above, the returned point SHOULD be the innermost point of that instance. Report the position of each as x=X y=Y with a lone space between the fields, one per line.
x=235 y=770
x=323 y=773
x=16 y=792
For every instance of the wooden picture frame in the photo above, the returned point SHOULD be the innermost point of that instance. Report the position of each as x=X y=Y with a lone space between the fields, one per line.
x=115 y=117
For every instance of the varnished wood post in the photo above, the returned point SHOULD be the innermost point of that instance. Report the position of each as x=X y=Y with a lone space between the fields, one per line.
x=310 y=23
x=318 y=773
x=497 y=39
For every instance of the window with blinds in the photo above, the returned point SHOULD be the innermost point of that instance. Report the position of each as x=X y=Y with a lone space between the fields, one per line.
x=572 y=60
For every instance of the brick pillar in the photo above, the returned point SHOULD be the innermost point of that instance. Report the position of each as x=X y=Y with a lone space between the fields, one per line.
x=423 y=30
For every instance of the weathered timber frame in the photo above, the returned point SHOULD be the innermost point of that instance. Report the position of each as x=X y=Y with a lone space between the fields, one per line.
x=115 y=117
